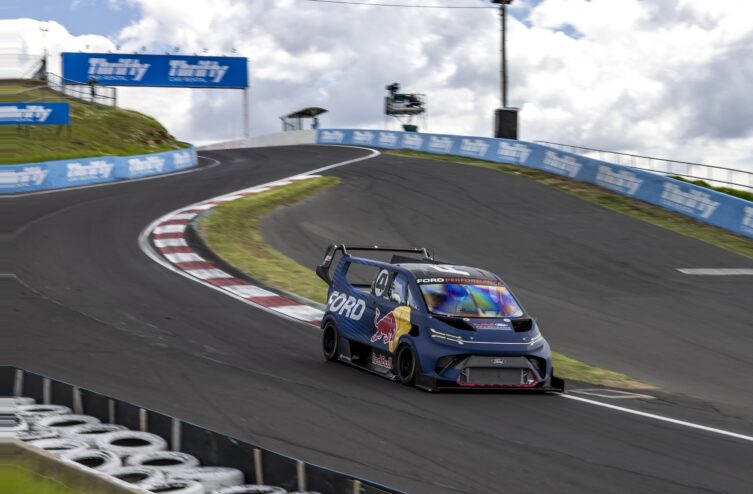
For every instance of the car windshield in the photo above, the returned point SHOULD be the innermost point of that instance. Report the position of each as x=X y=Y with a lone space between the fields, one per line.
x=449 y=299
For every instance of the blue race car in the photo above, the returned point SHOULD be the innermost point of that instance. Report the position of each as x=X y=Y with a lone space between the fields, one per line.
x=430 y=324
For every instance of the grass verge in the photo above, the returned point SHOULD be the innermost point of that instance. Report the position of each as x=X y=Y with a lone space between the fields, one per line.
x=18 y=478
x=95 y=130
x=637 y=209
x=232 y=231
x=742 y=194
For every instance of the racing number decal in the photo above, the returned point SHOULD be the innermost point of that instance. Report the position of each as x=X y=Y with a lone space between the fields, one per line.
x=380 y=285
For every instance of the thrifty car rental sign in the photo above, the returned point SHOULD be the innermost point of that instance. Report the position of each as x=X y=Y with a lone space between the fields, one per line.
x=34 y=114
x=112 y=69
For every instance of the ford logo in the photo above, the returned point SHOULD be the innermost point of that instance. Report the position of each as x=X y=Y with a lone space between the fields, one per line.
x=498 y=361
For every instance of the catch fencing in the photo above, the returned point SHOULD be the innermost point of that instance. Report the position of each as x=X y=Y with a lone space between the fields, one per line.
x=702 y=204
x=260 y=466
x=31 y=177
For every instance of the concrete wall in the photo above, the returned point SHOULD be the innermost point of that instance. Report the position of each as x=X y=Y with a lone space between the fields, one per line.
x=280 y=139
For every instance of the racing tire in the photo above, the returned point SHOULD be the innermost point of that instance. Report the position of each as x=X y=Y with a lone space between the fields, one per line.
x=165 y=461
x=127 y=443
x=37 y=434
x=251 y=489
x=60 y=446
x=32 y=413
x=101 y=461
x=331 y=342
x=91 y=432
x=406 y=365
x=212 y=478
x=138 y=476
x=16 y=401
x=175 y=487
x=64 y=424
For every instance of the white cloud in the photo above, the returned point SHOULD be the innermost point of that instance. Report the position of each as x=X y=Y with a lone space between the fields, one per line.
x=666 y=77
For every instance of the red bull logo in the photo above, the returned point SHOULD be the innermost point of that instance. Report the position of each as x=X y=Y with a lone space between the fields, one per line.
x=391 y=327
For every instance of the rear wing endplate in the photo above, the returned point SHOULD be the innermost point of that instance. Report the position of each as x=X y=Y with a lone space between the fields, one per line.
x=322 y=270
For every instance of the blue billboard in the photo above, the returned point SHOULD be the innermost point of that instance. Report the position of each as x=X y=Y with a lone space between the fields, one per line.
x=35 y=114
x=113 y=69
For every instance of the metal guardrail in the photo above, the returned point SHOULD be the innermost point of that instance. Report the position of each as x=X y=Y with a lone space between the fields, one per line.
x=260 y=466
x=103 y=95
x=715 y=175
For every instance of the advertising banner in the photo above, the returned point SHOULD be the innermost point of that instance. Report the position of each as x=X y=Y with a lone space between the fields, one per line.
x=31 y=177
x=35 y=113
x=112 y=69
x=706 y=205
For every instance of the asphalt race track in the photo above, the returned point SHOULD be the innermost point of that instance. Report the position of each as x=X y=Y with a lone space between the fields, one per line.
x=81 y=302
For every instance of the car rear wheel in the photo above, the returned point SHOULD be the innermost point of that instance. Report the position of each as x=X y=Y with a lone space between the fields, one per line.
x=406 y=365
x=330 y=342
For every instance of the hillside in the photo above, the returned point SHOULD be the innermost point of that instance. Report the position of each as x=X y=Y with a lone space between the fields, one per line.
x=95 y=130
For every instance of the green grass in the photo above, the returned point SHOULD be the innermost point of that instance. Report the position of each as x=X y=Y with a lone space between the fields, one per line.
x=95 y=130
x=232 y=231
x=637 y=209
x=742 y=194
x=18 y=478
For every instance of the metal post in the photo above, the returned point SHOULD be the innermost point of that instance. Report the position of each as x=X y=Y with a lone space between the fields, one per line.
x=503 y=49
x=246 y=123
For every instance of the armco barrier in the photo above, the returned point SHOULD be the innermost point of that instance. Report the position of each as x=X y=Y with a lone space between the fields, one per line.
x=709 y=206
x=30 y=177
x=260 y=466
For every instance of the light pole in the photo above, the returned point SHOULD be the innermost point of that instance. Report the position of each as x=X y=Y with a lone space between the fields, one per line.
x=505 y=119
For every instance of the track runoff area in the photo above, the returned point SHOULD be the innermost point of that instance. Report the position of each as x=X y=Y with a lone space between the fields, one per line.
x=219 y=342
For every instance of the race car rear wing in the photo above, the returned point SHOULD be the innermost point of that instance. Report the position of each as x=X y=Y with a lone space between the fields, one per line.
x=322 y=270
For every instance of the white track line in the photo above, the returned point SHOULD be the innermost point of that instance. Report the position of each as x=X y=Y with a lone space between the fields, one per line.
x=716 y=271
x=659 y=417
x=149 y=251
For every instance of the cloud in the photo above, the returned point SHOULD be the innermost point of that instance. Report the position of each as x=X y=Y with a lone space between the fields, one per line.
x=667 y=77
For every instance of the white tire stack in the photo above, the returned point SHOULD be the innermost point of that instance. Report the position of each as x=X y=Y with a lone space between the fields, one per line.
x=176 y=487
x=91 y=432
x=127 y=443
x=32 y=413
x=166 y=461
x=251 y=489
x=212 y=478
x=137 y=476
x=63 y=424
x=101 y=461
x=37 y=434
x=16 y=401
x=60 y=446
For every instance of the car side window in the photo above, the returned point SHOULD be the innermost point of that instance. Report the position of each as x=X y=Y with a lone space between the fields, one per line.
x=399 y=289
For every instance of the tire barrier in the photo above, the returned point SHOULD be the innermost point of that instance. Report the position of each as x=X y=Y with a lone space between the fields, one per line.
x=193 y=445
x=137 y=476
x=251 y=489
x=14 y=425
x=166 y=461
x=37 y=435
x=127 y=443
x=60 y=446
x=211 y=478
x=63 y=424
x=701 y=204
x=31 y=177
x=32 y=413
x=89 y=433
x=96 y=459
x=176 y=487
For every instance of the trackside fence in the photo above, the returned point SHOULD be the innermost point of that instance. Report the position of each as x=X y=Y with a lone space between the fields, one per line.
x=716 y=175
x=259 y=465
x=702 y=204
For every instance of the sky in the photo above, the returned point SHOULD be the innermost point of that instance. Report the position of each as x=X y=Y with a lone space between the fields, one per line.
x=665 y=78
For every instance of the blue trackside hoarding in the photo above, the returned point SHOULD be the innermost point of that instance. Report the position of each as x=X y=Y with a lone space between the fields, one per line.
x=706 y=205
x=33 y=113
x=31 y=177
x=114 y=69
